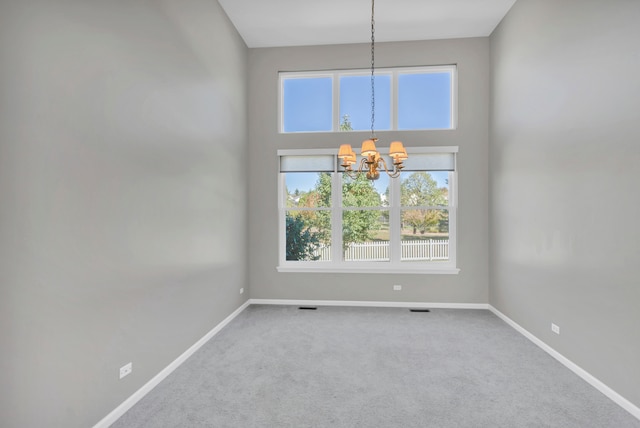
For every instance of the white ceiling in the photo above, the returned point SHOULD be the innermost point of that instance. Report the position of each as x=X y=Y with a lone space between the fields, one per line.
x=267 y=23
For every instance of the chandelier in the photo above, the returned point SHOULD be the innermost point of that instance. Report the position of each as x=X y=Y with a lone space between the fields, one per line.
x=372 y=162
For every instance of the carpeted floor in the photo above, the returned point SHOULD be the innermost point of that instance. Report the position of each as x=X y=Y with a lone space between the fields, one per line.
x=277 y=366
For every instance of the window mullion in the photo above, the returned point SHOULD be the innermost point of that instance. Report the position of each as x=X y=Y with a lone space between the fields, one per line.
x=453 y=240
x=454 y=98
x=336 y=218
x=395 y=229
x=336 y=102
x=282 y=219
x=453 y=215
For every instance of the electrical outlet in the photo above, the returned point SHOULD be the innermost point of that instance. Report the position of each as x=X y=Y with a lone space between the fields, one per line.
x=397 y=288
x=126 y=370
x=241 y=290
x=555 y=328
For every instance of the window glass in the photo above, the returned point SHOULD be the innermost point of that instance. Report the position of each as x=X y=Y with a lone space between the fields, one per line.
x=307 y=189
x=424 y=189
x=365 y=193
x=424 y=101
x=307 y=236
x=308 y=218
x=307 y=104
x=365 y=235
x=425 y=235
x=355 y=102
x=425 y=231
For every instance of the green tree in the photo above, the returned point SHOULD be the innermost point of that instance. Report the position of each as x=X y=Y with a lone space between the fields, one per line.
x=320 y=196
x=345 y=123
x=302 y=241
x=421 y=189
x=357 y=225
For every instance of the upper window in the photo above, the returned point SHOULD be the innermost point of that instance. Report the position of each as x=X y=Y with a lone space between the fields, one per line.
x=405 y=99
x=329 y=221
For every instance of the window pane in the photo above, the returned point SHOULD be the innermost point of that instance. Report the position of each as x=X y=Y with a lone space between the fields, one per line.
x=307 y=104
x=424 y=101
x=308 y=236
x=364 y=193
x=426 y=189
x=307 y=189
x=425 y=235
x=355 y=102
x=365 y=235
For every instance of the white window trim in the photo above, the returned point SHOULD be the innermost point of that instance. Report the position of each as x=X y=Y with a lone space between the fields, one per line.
x=392 y=71
x=393 y=266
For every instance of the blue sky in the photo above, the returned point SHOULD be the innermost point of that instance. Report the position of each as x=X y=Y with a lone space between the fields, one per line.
x=423 y=102
x=355 y=101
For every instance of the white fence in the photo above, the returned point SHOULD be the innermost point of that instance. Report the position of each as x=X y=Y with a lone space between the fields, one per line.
x=431 y=249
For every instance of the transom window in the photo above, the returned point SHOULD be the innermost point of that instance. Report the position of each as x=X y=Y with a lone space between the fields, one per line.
x=412 y=98
x=331 y=222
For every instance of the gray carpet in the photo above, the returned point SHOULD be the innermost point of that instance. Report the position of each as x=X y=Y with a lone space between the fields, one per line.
x=277 y=366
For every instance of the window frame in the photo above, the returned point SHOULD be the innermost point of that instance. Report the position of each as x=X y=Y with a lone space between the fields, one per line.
x=393 y=71
x=395 y=264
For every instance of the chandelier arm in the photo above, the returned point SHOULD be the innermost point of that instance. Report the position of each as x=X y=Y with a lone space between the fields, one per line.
x=363 y=162
x=397 y=168
x=353 y=175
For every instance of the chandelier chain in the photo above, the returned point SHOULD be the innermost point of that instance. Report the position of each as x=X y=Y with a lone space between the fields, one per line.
x=372 y=163
x=373 y=89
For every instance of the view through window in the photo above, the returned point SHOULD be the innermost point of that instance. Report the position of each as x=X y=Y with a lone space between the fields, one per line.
x=330 y=220
x=405 y=99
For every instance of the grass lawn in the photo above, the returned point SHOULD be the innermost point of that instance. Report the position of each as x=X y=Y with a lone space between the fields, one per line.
x=407 y=235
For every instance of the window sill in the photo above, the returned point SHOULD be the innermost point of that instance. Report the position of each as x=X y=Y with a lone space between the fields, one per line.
x=375 y=270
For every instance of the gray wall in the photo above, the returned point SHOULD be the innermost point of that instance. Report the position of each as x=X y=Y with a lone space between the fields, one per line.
x=471 y=285
x=122 y=126
x=564 y=156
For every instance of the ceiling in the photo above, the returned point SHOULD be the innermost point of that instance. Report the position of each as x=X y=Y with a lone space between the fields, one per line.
x=268 y=23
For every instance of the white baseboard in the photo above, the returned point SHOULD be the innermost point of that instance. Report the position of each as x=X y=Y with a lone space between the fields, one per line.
x=593 y=381
x=147 y=387
x=369 y=304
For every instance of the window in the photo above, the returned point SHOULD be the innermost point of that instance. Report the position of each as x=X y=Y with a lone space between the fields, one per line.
x=331 y=222
x=405 y=99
